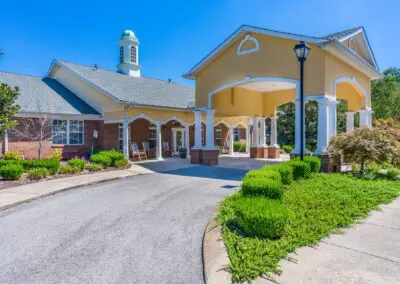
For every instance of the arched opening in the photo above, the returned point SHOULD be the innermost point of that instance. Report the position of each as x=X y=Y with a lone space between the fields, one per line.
x=173 y=137
x=143 y=136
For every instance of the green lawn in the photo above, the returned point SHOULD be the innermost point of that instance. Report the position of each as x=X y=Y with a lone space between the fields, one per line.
x=319 y=206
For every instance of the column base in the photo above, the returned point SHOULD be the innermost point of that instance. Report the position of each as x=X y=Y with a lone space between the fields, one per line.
x=210 y=157
x=196 y=156
x=259 y=152
x=274 y=152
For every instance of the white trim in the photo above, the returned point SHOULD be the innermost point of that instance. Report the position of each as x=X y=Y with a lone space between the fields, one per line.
x=244 y=30
x=247 y=38
x=254 y=79
x=222 y=122
x=59 y=116
x=142 y=116
x=68 y=133
x=240 y=123
x=172 y=118
x=174 y=130
x=354 y=82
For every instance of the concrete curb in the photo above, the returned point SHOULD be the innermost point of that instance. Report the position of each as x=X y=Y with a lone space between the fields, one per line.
x=215 y=255
x=29 y=199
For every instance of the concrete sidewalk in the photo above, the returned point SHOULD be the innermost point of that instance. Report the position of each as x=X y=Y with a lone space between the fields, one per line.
x=10 y=197
x=367 y=253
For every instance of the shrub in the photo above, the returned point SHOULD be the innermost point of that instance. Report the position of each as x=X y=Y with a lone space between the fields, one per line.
x=101 y=159
x=67 y=169
x=393 y=173
x=239 y=146
x=285 y=171
x=300 y=169
x=287 y=148
x=121 y=163
x=38 y=173
x=56 y=154
x=11 y=172
x=114 y=155
x=93 y=167
x=52 y=165
x=313 y=161
x=266 y=172
x=77 y=162
x=262 y=186
x=261 y=217
x=12 y=156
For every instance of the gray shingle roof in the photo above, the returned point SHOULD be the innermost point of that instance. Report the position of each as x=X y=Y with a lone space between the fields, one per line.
x=342 y=34
x=45 y=95
x=136 y=90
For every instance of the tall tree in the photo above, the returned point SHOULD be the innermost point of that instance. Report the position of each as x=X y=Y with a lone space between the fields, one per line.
x=386 y=95
x=8 y=107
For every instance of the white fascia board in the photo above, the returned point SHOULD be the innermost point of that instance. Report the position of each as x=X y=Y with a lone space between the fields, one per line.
x=244 y=30
x=59 y=116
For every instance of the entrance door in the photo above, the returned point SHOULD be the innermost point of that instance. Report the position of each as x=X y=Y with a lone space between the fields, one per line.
x=178 y=139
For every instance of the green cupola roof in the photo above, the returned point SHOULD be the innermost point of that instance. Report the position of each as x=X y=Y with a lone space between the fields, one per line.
x=128 y=34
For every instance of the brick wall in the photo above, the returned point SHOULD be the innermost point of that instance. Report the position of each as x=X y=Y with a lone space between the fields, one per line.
x=29 y=147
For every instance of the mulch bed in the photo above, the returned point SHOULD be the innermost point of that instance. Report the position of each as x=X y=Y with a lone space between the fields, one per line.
x=25 y=180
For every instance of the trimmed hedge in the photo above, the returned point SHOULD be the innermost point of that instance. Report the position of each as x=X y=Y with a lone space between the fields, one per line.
x=52 y=165
x=261 y=217
x=93 y=167
x=287 y=148
x=101 y=159
x=67 y=169
x=266 y=172
x=77 y=162
x=38 y=173
x=285 y=171
x=11 y=172
x=313 y=161
x=269 y=188
x=121 y=163
x=300 y=169
x=239 y=147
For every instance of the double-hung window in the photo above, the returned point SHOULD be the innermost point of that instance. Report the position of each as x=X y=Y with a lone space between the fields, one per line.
x=236 y=134
x=152 y=137
x=218 y=136
x=67 y=132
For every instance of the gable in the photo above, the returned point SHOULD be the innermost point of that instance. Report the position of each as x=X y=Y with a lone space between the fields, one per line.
x=358 y=43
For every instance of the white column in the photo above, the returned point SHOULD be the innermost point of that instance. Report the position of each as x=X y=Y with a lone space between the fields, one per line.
x=262 y=132
x=333 y=118
x=297 y=129
x=366 y=118
x=323 y=126
x=187 y=140
x=158 y=142
x=231 y=139
x=197 y=130
x=248 y=138
x=125 y=137
x=349 y=121
x=274 y=134
x=210 y=144
x=256 y=137
x=6 y=142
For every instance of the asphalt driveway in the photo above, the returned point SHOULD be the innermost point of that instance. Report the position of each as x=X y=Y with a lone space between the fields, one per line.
x=145 y=229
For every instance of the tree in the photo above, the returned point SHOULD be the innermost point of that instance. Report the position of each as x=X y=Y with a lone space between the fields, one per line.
x=35 y=129
x=365 y=145
x=8 y=107
x=386 y=95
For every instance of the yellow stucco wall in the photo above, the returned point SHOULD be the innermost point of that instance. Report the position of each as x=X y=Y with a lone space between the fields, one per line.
x=90 y=95
x=274 y=59
x=274 y=99
x=155 y=114
x=355 y=99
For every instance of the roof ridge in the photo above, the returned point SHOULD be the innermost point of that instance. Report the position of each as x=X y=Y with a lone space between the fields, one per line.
x=108 y=70
x=26 y=75
x=343 y=31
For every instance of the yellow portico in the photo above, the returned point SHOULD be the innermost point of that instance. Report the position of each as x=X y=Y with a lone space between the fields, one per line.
x=255 y=70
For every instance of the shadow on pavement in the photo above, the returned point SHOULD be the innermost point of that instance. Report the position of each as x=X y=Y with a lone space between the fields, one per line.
x=210 y=172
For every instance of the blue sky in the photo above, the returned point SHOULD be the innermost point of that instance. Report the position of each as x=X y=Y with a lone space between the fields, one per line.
x=174 y=35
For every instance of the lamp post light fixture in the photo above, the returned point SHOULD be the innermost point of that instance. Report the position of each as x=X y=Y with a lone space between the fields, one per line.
x=301 y=49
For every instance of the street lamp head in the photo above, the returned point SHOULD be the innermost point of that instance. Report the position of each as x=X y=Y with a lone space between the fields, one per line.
x=301 y=49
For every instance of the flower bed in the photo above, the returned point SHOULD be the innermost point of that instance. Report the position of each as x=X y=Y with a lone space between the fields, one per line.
x=261 y=226
x=15 y=171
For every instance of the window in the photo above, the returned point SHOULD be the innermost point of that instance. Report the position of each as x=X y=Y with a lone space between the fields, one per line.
x=133 y=54
x=236 y=135
x=152 y=137
x=203 y=136
x=121 y=54
x=218 y=136
x=68 y=132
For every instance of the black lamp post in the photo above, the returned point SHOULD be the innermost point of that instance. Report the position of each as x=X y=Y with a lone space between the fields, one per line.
x=301 y=49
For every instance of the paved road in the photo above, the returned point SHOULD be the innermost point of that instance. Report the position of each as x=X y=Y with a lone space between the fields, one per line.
x=145 y=229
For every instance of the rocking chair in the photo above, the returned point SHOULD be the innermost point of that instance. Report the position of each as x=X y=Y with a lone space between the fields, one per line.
x=137 y=155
